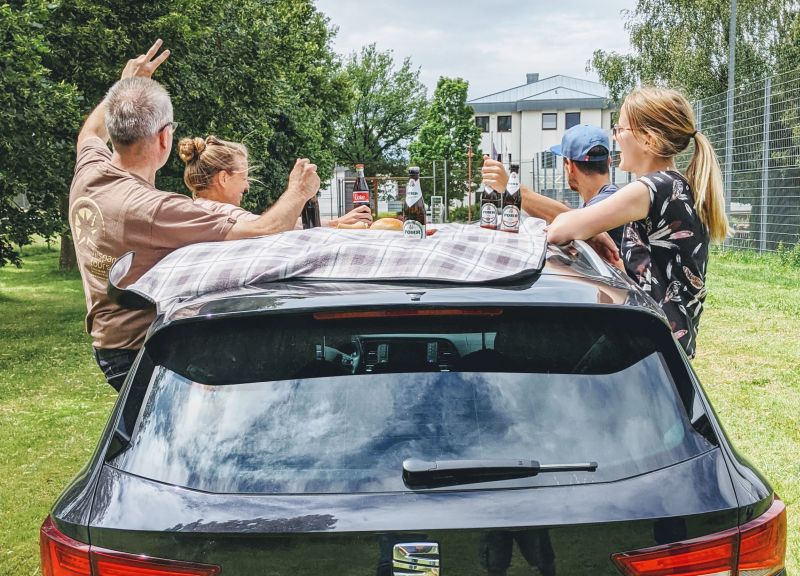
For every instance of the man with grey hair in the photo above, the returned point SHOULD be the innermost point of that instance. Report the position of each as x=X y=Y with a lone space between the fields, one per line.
x=114 y=206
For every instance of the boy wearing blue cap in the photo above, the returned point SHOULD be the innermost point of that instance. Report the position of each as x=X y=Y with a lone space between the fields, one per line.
x=585 y=150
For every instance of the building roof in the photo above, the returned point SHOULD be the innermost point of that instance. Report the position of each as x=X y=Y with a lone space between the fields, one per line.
x=556 y=92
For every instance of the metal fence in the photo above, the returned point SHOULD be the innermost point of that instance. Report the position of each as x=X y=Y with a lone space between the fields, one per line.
x=758 y=149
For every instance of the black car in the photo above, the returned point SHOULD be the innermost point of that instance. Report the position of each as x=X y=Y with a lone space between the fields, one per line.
x=551 y=426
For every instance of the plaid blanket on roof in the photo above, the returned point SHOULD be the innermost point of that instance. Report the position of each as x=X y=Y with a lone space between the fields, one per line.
x=456 y=253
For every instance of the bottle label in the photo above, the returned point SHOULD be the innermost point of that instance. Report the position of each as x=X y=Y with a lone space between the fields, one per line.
x=413 y=192
x=489 y=216
x=361 y=196
x=513 y=183
x=510 y=219
x=413 y=229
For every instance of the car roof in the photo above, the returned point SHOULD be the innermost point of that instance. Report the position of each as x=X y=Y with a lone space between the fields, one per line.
x=569 y=278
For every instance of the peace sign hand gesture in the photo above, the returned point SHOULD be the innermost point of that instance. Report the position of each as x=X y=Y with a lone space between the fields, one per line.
x=145 y=64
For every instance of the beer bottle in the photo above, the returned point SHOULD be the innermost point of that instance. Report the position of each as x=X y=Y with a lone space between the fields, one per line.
x=490 y=207
x=310 y=214
x=512 y=202
x=361 y=195
x=413 y=207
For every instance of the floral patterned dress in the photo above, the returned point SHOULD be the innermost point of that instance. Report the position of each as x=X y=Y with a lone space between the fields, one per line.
x=667 y=254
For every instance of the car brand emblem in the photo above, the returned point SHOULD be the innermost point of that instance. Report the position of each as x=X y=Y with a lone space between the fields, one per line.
x=415 y=559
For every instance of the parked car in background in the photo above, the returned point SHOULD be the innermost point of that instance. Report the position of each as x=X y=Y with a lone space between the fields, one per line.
x=548 y=426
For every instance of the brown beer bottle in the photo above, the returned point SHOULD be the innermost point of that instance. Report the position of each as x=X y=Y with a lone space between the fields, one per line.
x=490 y=207
x=512 y=202
x=361 y=194
x=310 y=214
x=414 y=207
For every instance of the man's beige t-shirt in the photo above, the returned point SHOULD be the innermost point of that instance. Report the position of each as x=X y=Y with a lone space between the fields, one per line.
x=235 y=212
x=112 y=212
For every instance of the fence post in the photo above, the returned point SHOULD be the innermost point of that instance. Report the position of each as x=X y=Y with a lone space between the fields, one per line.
x=699 y=118
x=729 y=151
x=434 y=177
x=765 y=166
x=445 y=190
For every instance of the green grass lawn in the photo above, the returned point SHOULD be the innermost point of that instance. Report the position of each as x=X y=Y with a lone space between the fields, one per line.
x=54 y=402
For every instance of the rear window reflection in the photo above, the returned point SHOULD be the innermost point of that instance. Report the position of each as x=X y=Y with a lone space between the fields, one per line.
x=350 y=432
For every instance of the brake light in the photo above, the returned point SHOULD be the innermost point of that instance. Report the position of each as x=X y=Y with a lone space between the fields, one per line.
x=762 y=548
x=757 y=548
x=63 y=556
x=60 y=554
x=107 y=563
x=409 y=312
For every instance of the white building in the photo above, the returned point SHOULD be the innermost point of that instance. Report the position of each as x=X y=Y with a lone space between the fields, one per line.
x=532 y=117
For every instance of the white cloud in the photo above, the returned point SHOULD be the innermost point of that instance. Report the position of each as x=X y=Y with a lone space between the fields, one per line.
x=490 y=44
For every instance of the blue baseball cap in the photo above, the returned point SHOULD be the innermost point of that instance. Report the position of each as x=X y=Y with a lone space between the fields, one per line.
x=578 y=140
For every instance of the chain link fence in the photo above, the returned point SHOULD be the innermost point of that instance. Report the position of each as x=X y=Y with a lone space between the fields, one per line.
x=759 y=151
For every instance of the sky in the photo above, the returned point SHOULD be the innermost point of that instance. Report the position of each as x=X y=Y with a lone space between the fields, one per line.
x=491 y=44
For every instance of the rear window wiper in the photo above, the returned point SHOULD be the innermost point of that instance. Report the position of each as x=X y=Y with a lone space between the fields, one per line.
x=438 y=473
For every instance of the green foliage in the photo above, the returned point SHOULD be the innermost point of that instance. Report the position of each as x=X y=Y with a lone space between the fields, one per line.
x=259 y=72
x=35 y=112
x=684 y=44
x=461 y=214
x=387 y=109
x=789 y=256
x=448 y=131
x=244 y=70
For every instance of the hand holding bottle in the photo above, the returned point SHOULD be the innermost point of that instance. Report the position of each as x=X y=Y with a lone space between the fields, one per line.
x=303 y=179
x=494 y=174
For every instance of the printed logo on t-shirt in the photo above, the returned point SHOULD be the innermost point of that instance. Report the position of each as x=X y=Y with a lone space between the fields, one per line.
x=88 y=226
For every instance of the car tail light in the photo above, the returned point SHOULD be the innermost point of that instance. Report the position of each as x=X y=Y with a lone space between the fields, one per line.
x=762 y=548
x=63 y=556
x=757 y=548
x=107 y=563
x=407 y=312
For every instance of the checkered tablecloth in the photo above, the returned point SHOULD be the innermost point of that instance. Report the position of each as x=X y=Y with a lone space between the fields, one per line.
x=455 y=253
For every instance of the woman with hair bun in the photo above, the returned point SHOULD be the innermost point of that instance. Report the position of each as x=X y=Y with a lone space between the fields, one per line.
x=670 y=218
x=217 y=175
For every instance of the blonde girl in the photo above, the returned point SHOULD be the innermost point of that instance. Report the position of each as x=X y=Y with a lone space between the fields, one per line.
x=670 y=218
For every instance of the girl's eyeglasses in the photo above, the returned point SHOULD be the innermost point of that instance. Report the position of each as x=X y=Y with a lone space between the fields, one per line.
x=616 y=129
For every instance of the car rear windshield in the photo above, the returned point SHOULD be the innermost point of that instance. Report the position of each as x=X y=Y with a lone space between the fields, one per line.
x=329 y=404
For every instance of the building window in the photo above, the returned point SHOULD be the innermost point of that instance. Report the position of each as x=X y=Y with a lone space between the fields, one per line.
x=549 y=121
x=482 y=122
x=504 y=123
x=571 y=119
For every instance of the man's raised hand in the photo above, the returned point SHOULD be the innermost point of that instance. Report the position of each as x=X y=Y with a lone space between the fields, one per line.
x=145 y=64
x=303 y=179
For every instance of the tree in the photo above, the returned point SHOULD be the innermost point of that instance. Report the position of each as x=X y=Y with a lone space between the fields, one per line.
x=448 y=131
x=387 y=108
x=34 y=111
x=260 y=72
x=684 y=44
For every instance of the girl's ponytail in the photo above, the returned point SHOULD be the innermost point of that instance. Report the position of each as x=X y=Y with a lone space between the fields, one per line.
x=705 y=178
